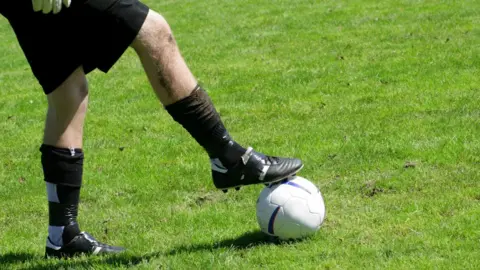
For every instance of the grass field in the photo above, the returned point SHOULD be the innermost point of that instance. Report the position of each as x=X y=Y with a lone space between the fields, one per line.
x=380 y=99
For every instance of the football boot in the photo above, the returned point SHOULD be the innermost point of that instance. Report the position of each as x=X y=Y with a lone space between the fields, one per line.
x=82 y=244
x=253 y=168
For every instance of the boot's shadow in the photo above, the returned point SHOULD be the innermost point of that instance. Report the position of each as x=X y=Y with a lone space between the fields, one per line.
x=15 y=257
x=37 y=262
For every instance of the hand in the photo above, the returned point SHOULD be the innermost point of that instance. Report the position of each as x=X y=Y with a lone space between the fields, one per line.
x=48 y=5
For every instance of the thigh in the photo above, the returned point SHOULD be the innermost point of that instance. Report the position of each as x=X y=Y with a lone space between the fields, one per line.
x=112 y=28
x=48 y=42
x=91 y=33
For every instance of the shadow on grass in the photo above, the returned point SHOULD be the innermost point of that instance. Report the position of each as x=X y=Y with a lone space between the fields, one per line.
x=35 y=262
x=15 y=257
x=29 y=261
x=245 y=241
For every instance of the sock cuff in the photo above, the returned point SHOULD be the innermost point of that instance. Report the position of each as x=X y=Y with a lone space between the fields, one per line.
x=186 y=101
x=61 y=152
x=62 y=166
x=195 y=112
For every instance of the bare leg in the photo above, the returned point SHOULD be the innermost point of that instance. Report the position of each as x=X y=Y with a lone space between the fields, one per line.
x=166 y=69
x=174 y=85
x=62 y=161
x=67 y=107
x=232 y=165
x=62 y=157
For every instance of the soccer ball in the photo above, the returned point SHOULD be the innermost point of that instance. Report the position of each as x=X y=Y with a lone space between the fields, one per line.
x=292 y=209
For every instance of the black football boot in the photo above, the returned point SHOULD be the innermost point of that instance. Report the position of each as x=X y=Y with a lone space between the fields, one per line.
x=253 y=168
x=82 y=244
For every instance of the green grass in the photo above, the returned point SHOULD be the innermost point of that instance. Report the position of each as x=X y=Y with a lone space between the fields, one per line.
x=356 y=89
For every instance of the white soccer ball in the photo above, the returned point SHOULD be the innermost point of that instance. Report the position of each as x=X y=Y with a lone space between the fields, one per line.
x=292 y=209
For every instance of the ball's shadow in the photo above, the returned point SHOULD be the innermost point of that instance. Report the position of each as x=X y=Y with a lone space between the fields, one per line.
x=245 y=241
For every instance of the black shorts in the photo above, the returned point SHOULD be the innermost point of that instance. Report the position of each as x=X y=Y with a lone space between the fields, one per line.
x=90 y=33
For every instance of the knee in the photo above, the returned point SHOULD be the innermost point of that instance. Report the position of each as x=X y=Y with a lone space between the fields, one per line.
x=76 y=86
x=82 y=95
x=71 y=93
x=155 y=31
x=82 y=88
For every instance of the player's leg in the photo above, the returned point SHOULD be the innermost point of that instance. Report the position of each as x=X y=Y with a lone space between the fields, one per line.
x=62 y=161
x=190 y=105
x=62 y=157
x=56 y=60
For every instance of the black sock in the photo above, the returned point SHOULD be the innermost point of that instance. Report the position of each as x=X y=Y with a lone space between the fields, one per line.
x=197 y=114
x=63 y=170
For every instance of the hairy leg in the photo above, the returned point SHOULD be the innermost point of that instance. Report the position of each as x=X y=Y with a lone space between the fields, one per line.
x=178 y=90
x=176 y=87
x=188 y=104
x=165 y=67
